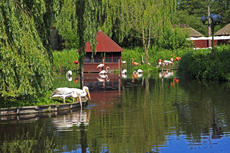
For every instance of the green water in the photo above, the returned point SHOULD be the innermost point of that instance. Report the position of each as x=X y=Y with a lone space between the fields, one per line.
x=141 y=116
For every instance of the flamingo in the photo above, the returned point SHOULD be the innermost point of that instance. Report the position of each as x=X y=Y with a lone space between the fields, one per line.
x=168 y=74
x=124 y=71
x=105 y=78
x=64 y=93
x=69 y=73
x=104 y=71
x=175 y=79
x=176 y=58
x=135 y=75
x=123 y=62
x=68 y=77
x=76 y=80
x=134 y=63
x=143 y=62
x=124 y=75
x=101 y=65
x=75 y=62
x=139 y=71
x=159 y=61
x=167 y=62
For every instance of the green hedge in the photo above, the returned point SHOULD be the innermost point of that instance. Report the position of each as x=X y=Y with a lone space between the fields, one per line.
x=202 y=65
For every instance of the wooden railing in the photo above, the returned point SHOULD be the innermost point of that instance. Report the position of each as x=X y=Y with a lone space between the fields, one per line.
x=99 y=60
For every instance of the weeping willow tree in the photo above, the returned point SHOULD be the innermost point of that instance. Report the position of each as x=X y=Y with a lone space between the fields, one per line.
x=146 y=19
x=78 y=22
x=24 y=62
x=110 y=22
x=44 y=13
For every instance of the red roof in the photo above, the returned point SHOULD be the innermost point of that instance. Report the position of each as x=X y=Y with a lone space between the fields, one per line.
x=104 y=44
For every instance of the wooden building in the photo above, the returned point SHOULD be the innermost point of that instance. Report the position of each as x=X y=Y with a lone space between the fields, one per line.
x=220 y=37
x=224 y=35
x=107 y=49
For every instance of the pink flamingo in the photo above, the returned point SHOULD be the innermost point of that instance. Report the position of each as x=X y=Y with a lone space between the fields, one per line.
x=101 y=65
x=134 y=63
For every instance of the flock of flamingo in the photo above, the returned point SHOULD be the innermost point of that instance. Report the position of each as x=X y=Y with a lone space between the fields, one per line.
x=64 y=92
x=167 y=62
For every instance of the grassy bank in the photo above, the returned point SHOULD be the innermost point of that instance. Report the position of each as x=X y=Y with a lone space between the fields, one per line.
x=45 y=100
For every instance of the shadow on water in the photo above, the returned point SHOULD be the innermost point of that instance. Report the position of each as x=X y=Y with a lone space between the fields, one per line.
x=159 y=113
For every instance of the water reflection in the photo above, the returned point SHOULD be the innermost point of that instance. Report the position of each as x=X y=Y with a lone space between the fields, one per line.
x=96 y=81
x=152 y=114
x=166 y=74
x=66 y=122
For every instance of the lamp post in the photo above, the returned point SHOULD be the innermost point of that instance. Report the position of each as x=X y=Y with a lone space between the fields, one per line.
x=216 y=19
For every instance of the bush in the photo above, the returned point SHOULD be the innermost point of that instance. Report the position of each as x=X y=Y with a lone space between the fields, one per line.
x=202 y=65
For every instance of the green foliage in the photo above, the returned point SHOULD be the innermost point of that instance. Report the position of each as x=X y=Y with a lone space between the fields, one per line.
x=64 y=60
x=146 y=19
x=43 y=13
x=132 y=53
x=78 y=23
x=202 y=65
x=67 y=25
x=174 y=38
x=146 y=68
x=155 y=53
x=115 y=71
x=29 y=139
x=24 y=62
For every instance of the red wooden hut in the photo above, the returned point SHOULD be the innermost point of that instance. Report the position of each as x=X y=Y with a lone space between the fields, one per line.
x=107 y=49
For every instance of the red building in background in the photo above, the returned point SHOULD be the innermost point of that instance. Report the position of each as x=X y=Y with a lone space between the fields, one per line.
x=107 y=49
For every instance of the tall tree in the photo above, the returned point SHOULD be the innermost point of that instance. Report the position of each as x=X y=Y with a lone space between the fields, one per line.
x=78 y=22
x=146 y=19
x=24 y=64
x=43 y=12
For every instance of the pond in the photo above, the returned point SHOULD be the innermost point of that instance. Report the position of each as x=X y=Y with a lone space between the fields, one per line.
x=130 y=114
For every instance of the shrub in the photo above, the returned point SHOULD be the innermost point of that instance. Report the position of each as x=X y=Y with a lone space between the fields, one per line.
x=202 y=65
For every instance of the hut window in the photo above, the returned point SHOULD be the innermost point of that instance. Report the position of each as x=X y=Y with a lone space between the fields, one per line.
x=95 y=84
x=97 y=58
x=86 y=83
x=108 y=58
x=116 y=57
x=87 y=60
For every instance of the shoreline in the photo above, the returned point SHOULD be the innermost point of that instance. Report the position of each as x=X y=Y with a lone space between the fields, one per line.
x=41 y=108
